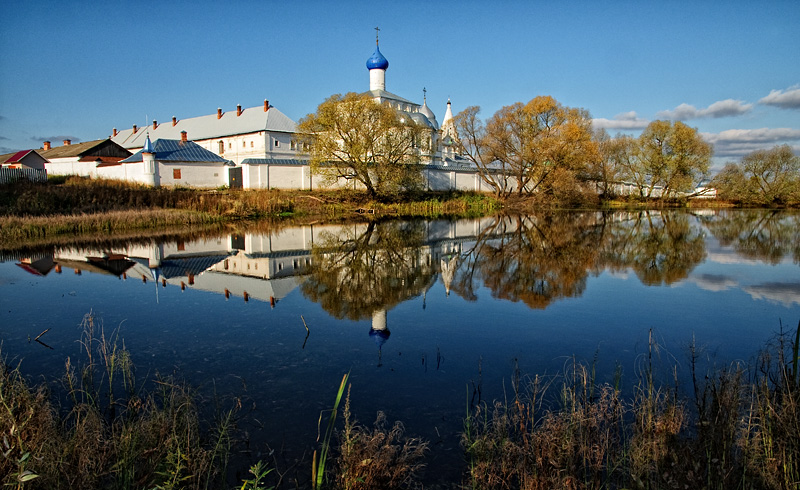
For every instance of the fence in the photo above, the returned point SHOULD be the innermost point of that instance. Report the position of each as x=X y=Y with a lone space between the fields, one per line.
x=9 y=175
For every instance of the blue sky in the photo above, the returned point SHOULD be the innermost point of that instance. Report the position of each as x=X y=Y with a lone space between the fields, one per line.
x=77 y=69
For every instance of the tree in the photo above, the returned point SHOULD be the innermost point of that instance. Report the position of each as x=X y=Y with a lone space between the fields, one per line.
x=614 y=161
x=531 y=143
x=673 y=156
x=763 y=176
x=773 y=174
x=352 y=137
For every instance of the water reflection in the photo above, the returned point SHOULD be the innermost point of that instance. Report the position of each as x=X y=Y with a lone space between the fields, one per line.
x=362 y=271
x=766 y=235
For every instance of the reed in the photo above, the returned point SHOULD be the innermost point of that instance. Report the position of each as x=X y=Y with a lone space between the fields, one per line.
x=380 y=457
x=319 y=463
x=744 y=430
x=112 y=433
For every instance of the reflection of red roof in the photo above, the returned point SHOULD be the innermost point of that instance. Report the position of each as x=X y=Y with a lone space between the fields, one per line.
x=17 y=157
x=30 y=269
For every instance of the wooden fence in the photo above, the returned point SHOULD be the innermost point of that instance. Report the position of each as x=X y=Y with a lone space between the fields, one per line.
x=9 y=175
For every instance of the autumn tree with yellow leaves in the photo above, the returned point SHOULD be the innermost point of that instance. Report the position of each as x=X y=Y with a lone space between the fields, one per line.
x=537 y=147
x=353 y=138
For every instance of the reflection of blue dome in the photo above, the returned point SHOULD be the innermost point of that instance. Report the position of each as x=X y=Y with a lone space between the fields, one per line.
x=377 y=61
x=379 y=336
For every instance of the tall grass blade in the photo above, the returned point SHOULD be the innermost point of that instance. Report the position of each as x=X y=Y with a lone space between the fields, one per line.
x=318 y=466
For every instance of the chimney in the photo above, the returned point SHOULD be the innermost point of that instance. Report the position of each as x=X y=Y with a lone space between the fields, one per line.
x=115 y=132
x=238 y=110
x=174 y=121
x=219 y=113
x=46 y=145
x=155 y=124
x=183 y=137
x=266 y=105
x=135 y=129
x=67 y=142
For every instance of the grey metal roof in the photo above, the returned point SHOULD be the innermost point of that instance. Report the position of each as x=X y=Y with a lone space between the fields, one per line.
x=251 y=120
x=274 y=161
x=178 y=151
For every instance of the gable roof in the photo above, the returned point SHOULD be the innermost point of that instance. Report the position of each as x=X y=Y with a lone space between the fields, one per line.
x=15 y=157
x=178 y=151
x=104 y=148
x=251 y=120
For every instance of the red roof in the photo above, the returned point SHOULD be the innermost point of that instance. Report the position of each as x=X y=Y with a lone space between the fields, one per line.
x=18 y=156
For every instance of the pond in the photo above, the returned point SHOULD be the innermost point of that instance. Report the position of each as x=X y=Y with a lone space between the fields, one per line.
x=428 y=317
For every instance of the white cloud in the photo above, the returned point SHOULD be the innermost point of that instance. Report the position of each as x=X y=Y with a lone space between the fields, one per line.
x=785 y=99
x=740 y=142
x=722 y=108
x=626 y=120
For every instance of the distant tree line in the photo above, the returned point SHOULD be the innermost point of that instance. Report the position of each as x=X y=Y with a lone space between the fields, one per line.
x=540 y=148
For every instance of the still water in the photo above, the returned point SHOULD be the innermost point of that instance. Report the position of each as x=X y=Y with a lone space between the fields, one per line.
x=427 y=316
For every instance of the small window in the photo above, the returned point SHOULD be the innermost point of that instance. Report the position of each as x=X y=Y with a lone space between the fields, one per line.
x=221 y=147
x=181 y=246
x=244 y=144
x=176 y=173
x=277 y=143
x=230 y=145
x=251 y=144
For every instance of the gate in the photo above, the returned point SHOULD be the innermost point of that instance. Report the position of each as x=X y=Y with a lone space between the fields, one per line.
x=235 y=178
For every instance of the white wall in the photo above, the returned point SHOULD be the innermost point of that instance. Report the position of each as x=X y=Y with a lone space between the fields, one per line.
x=193 y=174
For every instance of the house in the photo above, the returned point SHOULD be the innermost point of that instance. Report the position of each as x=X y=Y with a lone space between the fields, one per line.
x=167 y=162
x=26 y=159
x=81 y=158
x=255 y=132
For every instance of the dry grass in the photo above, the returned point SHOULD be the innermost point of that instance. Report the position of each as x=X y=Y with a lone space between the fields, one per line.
x=112 y=435
x=744 y=432
x=377 y=458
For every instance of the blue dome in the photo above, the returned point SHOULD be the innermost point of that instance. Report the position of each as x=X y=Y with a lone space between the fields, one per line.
x=377 y=61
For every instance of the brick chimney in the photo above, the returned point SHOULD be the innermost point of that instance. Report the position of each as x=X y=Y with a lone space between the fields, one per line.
x=67 y=142
x=114 y=131
x=155 y=124
x=184 y=138
x=174 y=121
x=46 y=145
x=238 y=110
x=135 y=128
x=266 y=105
x=219 y=113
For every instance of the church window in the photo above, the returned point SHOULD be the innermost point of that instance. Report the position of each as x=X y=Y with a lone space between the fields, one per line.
x=251 y=143
x=244 y=144
x=230 y=145
x=221 y=147
x=293 y=145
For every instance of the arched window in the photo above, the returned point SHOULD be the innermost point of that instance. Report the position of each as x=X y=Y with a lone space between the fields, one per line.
x=221 y=147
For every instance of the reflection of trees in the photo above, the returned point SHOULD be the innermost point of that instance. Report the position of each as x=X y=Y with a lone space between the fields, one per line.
x=759 y=234
x=661 y=247
x=534 y=259
x=375 y=268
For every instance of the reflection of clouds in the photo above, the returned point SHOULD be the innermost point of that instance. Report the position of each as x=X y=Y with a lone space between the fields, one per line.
x=722 y=257
x=715 y=282
x=784 y=293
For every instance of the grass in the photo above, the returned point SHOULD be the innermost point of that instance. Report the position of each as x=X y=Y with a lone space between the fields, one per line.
x=741 y=429
x=380 y=457
x=111 y=433
x=738 y=428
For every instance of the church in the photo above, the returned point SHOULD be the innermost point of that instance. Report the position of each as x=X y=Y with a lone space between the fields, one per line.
x=258 y=144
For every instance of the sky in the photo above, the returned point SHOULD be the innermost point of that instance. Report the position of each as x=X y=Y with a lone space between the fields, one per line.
x=77 y=69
